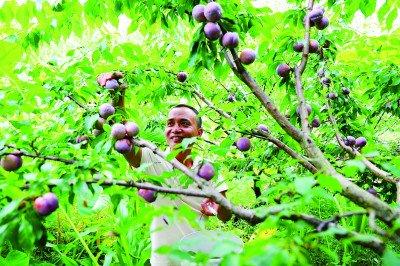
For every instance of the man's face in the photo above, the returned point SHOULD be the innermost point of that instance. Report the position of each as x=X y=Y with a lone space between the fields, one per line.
x=181 y=124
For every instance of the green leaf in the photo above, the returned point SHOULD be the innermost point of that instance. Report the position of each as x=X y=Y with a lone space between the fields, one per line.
x=329 y=183
x=304 y=184
x=15 y=257
x=390 y=258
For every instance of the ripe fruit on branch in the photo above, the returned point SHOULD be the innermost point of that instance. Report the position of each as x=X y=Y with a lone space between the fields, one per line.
x=230 y=40
x=313 y=47
x=247 y=56
x=99 y=123
x=331 y=96
x=322 y=24
x=349 y=141
x=213 y=11
x=298 y=47
x=283 y=70
x=106 y=110
x=96 y=132
x=123 y=146
x=148 y=194
x=80 y=139
x=316 y=15
x=373 y=192
x=360 y=142
x=315 y=122
x=46 y=204
x=231 y=98
x=346 y=91
x=131 y=129
x=212 y=31
x=112 y=84
x=181 y=76
x=263 y=128
x=198 y=13
x=11 y=162
x=326 y=81
x=118 y=131
x=321 y=73
x=206 y=171
x=243 y=144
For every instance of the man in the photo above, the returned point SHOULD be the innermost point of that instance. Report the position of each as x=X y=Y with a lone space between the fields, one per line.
x=182 y=122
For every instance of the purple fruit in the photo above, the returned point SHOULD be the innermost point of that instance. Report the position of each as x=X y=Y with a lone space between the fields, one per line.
x=326 y=81
x=322 y=24
x=321 y=73
x=112 y=84
x=360 y=142
x=181 y=76
x=231 y=98
x=106 y=110
x=118 y=131
x=131 y=129
x=326 y=44
x=51 y=201
x=206 y=171
x=99 y=123
x=198 y=13
x=212 y=31
x=316 y=15
x=298 y=47
x=230 y=40
x=148 y=194
x=213 y=12
x=243 y=144
x=349 y=141
x=123 y=146
x=331 y=96
x=11 y=162
x=41 y=206
x=96 y=132
x=247 y=56
x=263 y=128
x=346 y=91
x=315 y=122
x=373 y=192
x=283 y=70
x=308 y=110
x=80 y=139
x=313 y=47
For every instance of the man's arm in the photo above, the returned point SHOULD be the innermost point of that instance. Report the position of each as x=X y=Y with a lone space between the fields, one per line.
x=223 y=213
x=134 y=157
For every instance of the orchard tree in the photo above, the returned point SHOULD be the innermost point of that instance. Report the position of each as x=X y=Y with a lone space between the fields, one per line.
x=301 y=117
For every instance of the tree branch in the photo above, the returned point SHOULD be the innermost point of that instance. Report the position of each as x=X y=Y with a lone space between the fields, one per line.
x=39 y=156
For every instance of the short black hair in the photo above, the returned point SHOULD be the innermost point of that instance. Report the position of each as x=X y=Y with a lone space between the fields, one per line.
x=198 y=118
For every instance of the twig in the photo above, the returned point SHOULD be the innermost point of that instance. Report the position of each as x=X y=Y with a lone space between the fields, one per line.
x=355 y=153
x=51 y=158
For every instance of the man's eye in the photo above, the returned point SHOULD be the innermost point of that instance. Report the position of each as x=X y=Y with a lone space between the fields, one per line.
x=170 y=124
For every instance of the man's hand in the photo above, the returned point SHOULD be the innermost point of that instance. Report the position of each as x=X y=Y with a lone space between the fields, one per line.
x=104 y=77
x=209 y=207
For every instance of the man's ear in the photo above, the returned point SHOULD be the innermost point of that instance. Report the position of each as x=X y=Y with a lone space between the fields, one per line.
x=200 y=131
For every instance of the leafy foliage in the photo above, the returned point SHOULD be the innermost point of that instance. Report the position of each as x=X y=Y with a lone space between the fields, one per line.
x=52 y=52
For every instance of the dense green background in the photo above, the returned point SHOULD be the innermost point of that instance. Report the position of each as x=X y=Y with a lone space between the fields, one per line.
x=51 y=53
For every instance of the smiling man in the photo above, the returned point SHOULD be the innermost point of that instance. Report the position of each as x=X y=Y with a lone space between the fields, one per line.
x=182 y=122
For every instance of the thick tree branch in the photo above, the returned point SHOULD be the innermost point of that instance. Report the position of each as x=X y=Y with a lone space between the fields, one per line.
x=298 y=70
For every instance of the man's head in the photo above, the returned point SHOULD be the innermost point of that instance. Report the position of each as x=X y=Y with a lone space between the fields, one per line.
x=182 y=122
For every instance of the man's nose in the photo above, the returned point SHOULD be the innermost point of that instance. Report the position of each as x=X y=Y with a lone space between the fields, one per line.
x=176 y=128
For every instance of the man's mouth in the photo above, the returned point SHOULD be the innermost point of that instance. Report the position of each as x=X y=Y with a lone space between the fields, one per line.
x=176 y=139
